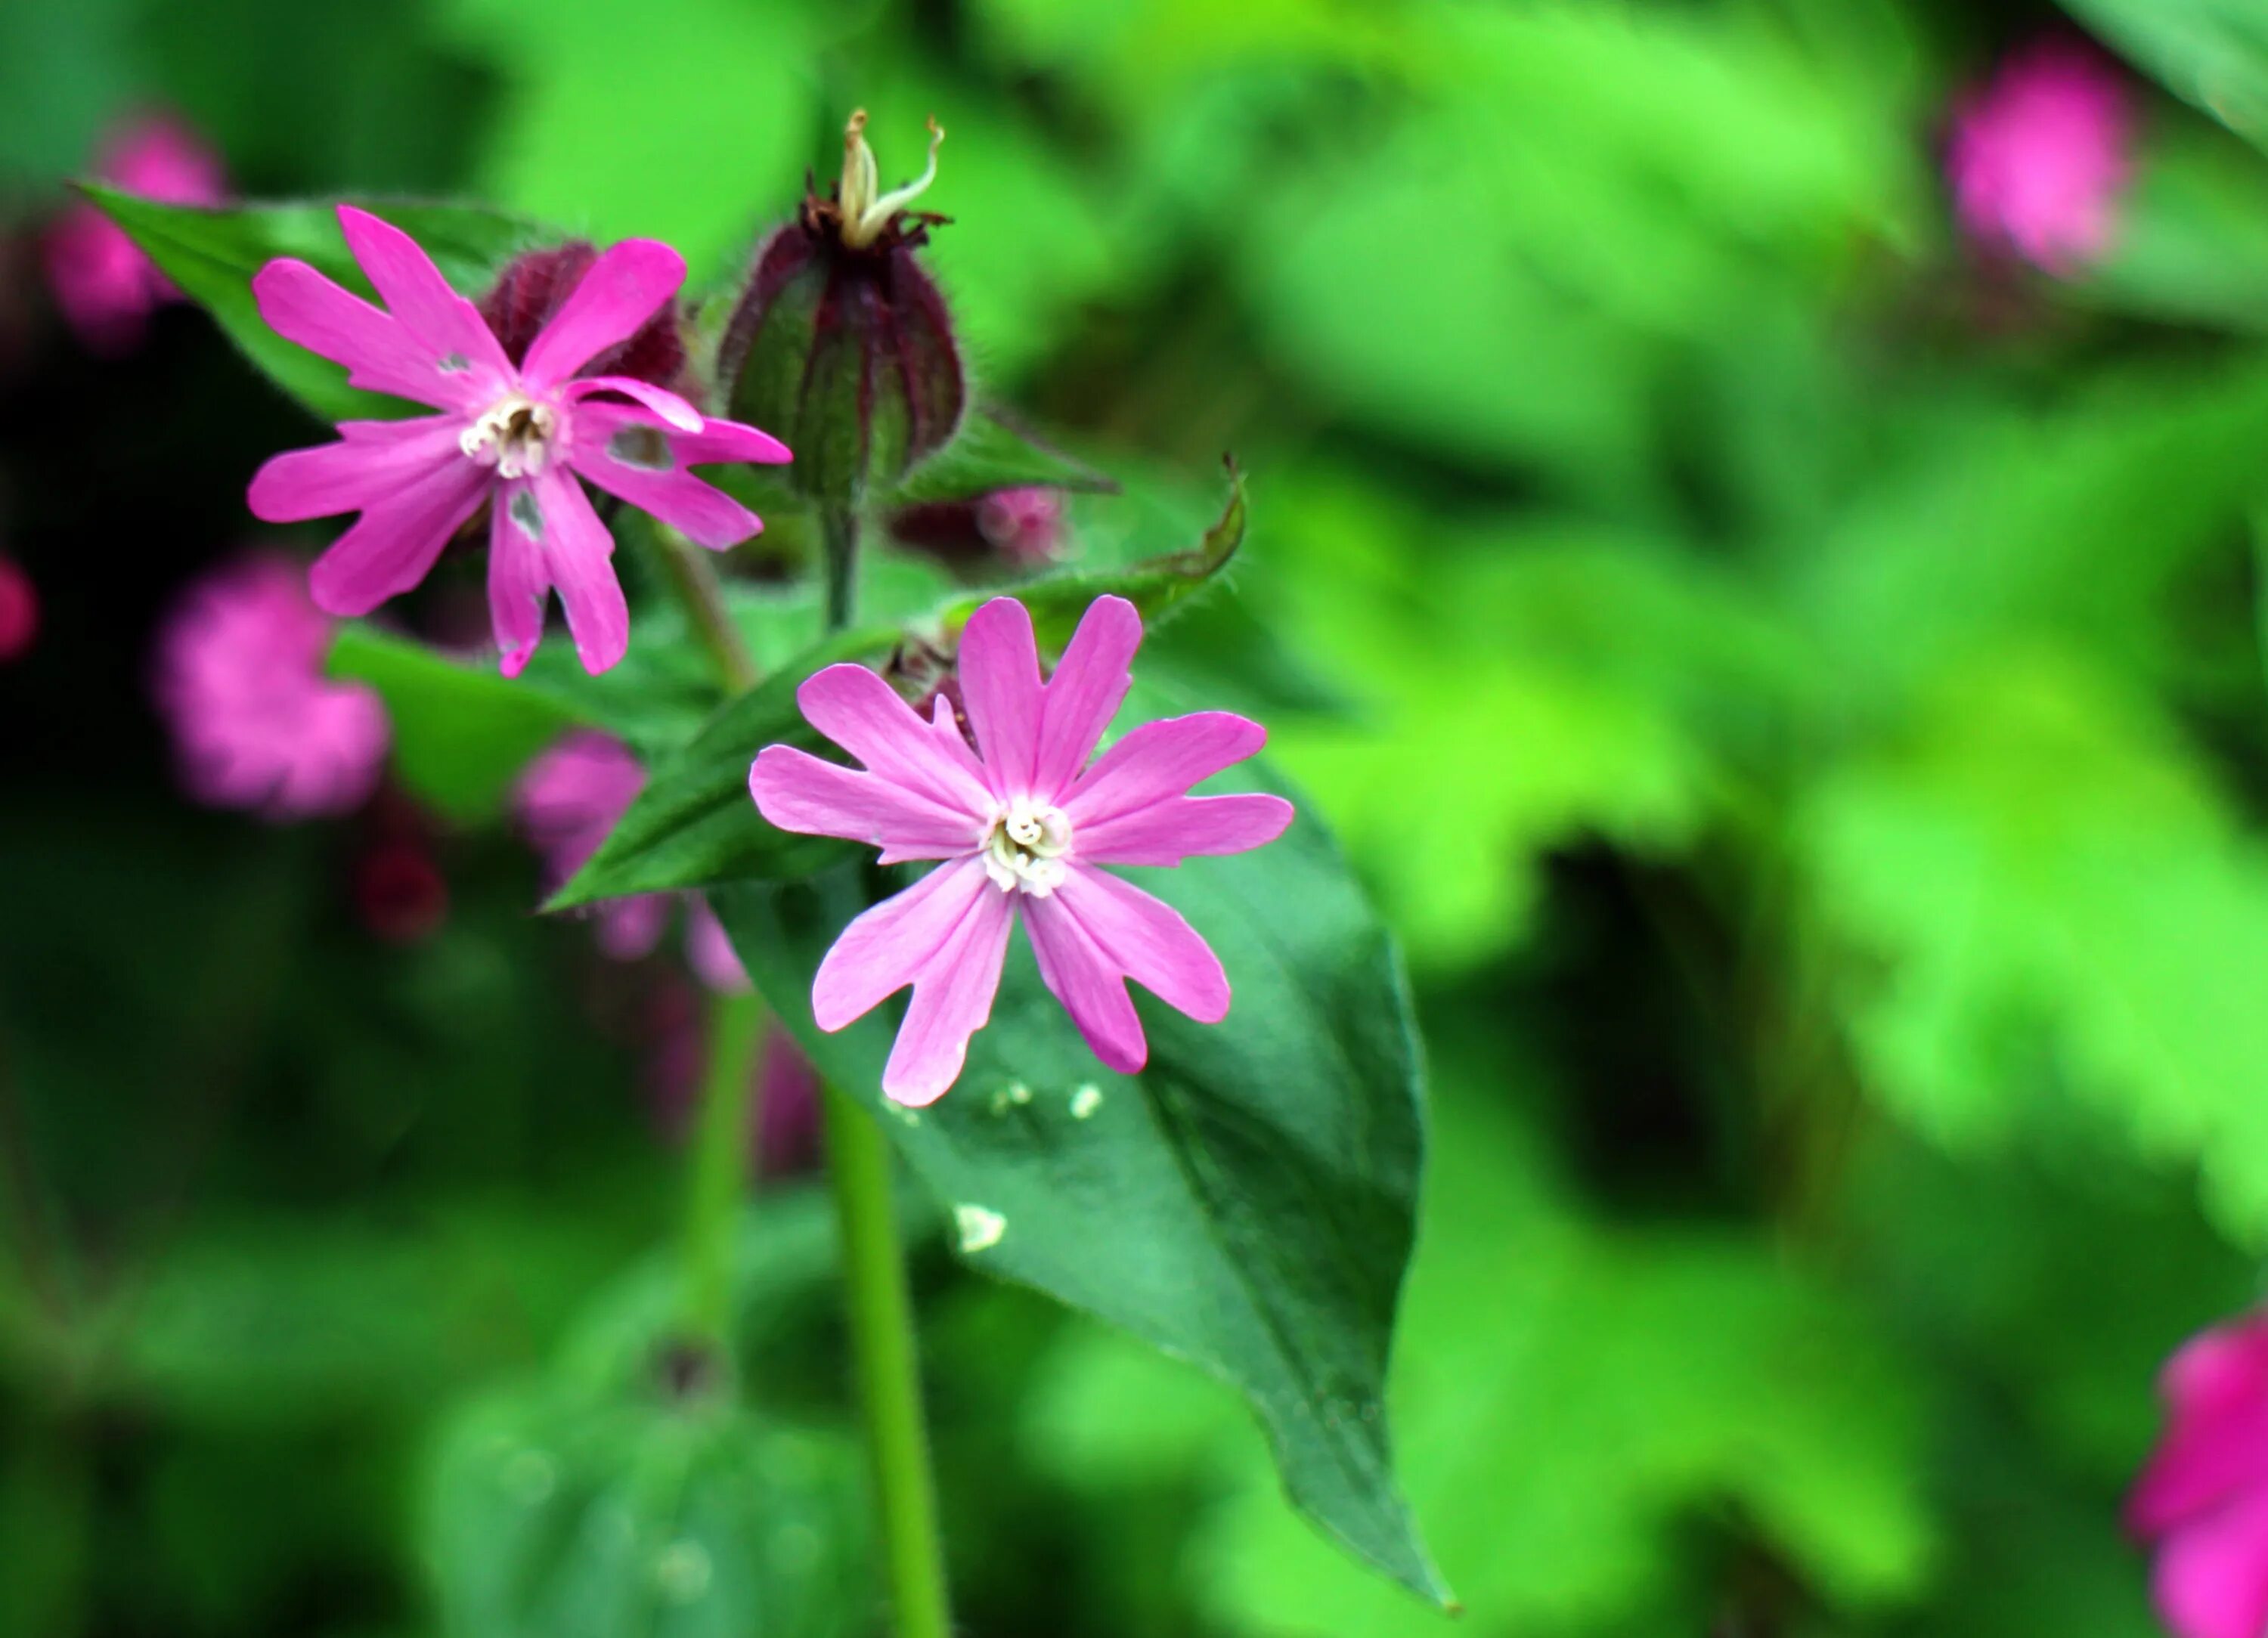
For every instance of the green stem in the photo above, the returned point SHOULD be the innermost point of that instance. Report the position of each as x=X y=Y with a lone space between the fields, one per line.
x=702 y=595
x=719 y=1174
x=882 y=1338
x=889 y=1373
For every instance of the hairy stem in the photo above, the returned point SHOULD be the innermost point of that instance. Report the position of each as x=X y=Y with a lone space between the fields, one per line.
x=719 y=1173
x=890 y=1374
x=693 y=580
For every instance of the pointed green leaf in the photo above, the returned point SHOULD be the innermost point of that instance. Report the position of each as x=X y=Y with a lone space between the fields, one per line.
x=991 y=452
x=2212 y=52
x=212 y=255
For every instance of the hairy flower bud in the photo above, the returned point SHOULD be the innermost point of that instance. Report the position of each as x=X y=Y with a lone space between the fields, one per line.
x=841 y=343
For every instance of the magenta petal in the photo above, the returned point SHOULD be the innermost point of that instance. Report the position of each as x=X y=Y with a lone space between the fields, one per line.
x=887 y=946
x=1160 y=760
x=952 y=1000
x=579 y=554
x=371 y=460
x=673 y=409
x=797 y=791
x=1183 y=827
x=1149 y=941
x=728 y=441
x=857 y=709
x=1085 y=691
x=605 y=434
x=629 y=929
x=301 y=305
x=393 y=544
x=999 y=666
x=2216 y=1442
x=518 y=581
x=709 y=951
x=423 y=302
x=1080 y=974
x=2211 y=1580
x=624 y=288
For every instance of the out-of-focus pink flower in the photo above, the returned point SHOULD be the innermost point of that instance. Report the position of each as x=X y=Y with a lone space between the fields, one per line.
x=106 y=286
x=785 y=1133
x=1025 y=526
x=256 y=724
x=1021 y=823
x=567 y=800
x=2040 y=156
x=2203 y=1499
x=20 y=610
x=515 y=435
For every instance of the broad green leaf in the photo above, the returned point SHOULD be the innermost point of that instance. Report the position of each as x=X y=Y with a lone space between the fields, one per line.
x=212 y=253
x=461 y=732
x=1246 y=1202
x=991 y=452
x=694 y=824
x=2192 y=241
x=2212 y=52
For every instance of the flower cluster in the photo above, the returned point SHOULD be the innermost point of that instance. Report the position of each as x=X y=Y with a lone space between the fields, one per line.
x=2040 y=156
x=105 y=286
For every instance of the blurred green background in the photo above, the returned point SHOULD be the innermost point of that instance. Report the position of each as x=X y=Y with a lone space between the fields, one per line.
x=1791 y=677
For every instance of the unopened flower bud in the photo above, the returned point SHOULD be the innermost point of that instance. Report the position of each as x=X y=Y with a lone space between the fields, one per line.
x=841 y=343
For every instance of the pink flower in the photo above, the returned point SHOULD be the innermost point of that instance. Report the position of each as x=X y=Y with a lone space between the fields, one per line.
x=105 y=285
x=516 y=434
x=568 y=800
x=240 y=681
x=1021 y=828
x=2204 y=1497
x=20 y=610
x=2039 y=158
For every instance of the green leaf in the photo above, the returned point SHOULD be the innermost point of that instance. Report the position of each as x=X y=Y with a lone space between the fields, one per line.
x=212 y=255
x=2212 y=52
x=461 y=732
x=694 y=823
x=1246 y=1202
x=992 y=453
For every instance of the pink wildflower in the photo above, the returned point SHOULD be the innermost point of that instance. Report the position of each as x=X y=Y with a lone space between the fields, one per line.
x=106 y=286
x=2039 y=157
x=1021 y=823
x=513 y=434
x=2204 y=1497
x=20 y=610
x=567 y=800
x=239 y=679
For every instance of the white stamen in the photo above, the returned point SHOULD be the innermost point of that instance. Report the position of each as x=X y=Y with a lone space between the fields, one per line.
x=864 y=214
x=514 y=436
x=1026 y=847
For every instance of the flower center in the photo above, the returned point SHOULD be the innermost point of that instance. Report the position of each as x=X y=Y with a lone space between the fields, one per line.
x=514 y=436
x=1026 y=847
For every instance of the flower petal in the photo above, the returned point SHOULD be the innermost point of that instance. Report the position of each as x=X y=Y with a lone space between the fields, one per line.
x=578 y=556
x=2216 y=1441
x=1160 y=760
x=623 y=453
x=1087 y=982
x=999 y=666
x=952 y=1000
x=1088 y=687
x=518 y=583
x=301 y=305
x=394 y=542
x=371 y=460
x=1149 y=941
x=889 y=946
x=1183 y=827
x=855 y=708
x=663 y=402
x=797 y=791
x=2211 y=1580
x=422 y=301
x=624 y=287
x=729 y=441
